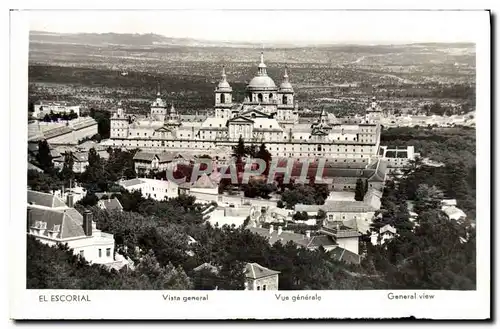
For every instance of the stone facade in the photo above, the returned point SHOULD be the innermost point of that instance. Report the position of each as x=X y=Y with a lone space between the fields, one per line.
x=267 y=114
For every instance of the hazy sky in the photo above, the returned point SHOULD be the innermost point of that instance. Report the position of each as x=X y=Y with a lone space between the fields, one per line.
x=272 y=26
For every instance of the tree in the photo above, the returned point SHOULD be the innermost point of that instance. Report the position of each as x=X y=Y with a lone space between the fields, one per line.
x=359 y=192
x=300 y=216
x=103 y=122
x=239 y=151
x=67 y=171
x=43 y=156
x=43 y=182
x=320 y=217
x=89 y=200
x=427 y=198
x=304 y=194
x=160 y=277
x=265 y=155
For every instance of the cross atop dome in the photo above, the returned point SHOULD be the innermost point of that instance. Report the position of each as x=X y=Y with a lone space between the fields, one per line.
x=223 y=73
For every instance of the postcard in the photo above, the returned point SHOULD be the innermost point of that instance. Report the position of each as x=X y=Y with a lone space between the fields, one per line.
x=250 y=164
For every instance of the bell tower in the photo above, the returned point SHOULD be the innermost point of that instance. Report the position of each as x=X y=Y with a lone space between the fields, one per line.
x=223 y=92
x=286 y=99
x=373 y=112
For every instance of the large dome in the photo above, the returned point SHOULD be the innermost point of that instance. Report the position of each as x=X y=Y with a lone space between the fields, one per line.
x=261 y=82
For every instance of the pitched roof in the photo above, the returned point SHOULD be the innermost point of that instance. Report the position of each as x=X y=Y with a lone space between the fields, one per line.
x=345 y=255
x=239 y=119
x=340 y=233
x=69 y=220
x=44 y=199
x=317 y=241
x=33 y=167
x=273 y=237
x=207 y=266
x=280 y=211
x=388 y=228
x=81 y=156
x=346 y=206
x=57 y=132
x=341 y=229
x=373 y=192
x=380 y=173
x=131 y=182
x=306 y=207
x=87 y=145
x=144 y=156
x=111 y=204
x=204 y=182
x=166 y=157
x=256 y=271
x=452 y=211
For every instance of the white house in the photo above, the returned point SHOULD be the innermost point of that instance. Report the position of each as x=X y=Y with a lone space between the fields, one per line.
x=346 y=234
x=80 y=162
x=204 y=189
x=258 y=277
x=45 y=107
x=51 y=221
x=152 y=188
x=449 y=207
x=301 y=240
x=359 y=211
x=148 y=161
x=454 y=213
x=385 y=234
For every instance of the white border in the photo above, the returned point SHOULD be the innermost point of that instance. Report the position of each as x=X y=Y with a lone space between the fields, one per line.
x=335 y=304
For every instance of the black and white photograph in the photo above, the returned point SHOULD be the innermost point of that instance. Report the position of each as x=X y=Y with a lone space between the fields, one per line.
x=296 y=159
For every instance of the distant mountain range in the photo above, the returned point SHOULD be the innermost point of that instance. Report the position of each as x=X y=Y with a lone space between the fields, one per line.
x=151 y=39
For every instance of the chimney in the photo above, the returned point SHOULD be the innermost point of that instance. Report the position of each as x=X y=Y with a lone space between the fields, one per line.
x=308 y=234
x=338 y=227
x=87 y=222
x=280 y=230
x=69 y=200
x=271 y=229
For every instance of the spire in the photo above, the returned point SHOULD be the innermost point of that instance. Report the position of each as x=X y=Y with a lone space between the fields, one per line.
x=262 y=66
x=158 y=90
x=285 y=76
x=223 y=73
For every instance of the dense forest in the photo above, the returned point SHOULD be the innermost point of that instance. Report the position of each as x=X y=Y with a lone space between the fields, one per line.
x=454 y=147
